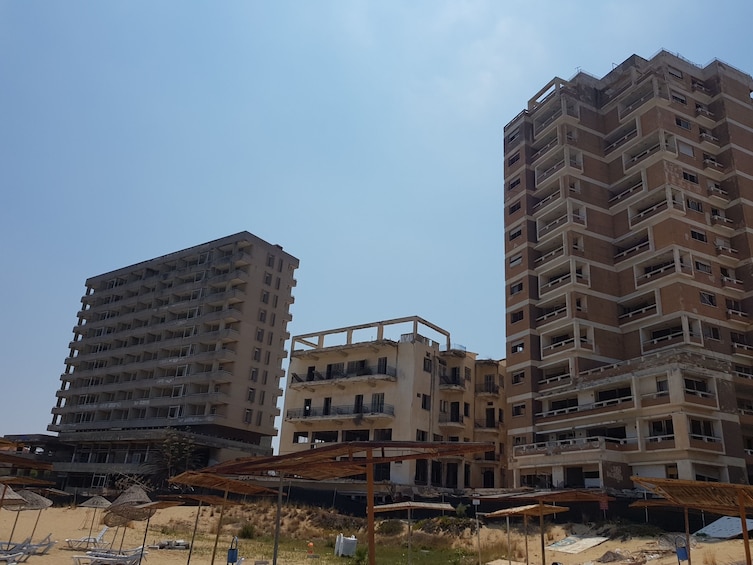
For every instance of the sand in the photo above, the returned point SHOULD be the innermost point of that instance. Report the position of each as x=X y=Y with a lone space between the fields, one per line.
x=177 y=523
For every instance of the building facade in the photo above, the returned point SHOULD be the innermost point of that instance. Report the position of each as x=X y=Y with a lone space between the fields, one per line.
x=389 y=381
x=191 y=343
x=629 y=281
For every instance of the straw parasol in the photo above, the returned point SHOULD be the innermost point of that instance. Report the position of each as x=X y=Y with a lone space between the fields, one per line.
x=34 y=501
x=95 y=502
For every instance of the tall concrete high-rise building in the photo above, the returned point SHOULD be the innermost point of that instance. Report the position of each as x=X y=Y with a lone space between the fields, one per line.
x=190 y=344
x=629 y=276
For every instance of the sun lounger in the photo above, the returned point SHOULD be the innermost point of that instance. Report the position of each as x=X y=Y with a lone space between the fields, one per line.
x=41 y=547
x=87 y=542
x=11 y=558
x=112 y=560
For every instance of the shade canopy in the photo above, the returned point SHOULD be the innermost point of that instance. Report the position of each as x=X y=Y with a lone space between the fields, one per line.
x=33 y=500
x=527 y=510
x=96 y=502
x=722 y=498
x=218 y=482
x=411 y=505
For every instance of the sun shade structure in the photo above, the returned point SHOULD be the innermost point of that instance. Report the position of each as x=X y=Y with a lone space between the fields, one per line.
x=721 y=498
x=410 y=505
x=95 y=502
x=34 y=501
x=344 y=459
x=527 y=510
x=216 y=482
x=23 y=462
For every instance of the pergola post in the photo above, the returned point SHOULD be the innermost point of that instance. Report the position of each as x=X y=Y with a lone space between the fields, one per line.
x=370 y=505
x=744 y=524
x=541 y=529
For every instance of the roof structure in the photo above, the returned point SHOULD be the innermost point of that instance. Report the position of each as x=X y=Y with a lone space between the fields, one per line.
x=721 y=498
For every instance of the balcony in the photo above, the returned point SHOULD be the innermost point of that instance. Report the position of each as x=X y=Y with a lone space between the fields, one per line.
x=709 y=443
x=672 y=338
x=732 y=283
x=660 y=442
x=317 y=378
x=340 y=411
x=734 y=315
x=653 y=272
x=637 y=312
x=724 y=250
x=631 y=160
x=704 y=398
x=622 y=195
x=621 y=403
x=704 y=115
x=566 y=345
x=723 y=222
x=619 y=141
x=708 y=137
x=487 y=425
x=552 y=142
x=451 y=383
x=483 y=389
x=632 y=250
x=635 y=103
x=710 y=163
x=715 y=192
x=550 y=199
x=557 y=379
x=551 y=254
x=742 y=349
x=596 y=443
x=451 y=421
x=547 y=120
x=655 y=398
x=552 y=314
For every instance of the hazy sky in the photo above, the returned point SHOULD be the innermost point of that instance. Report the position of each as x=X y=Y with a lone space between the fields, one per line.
x=363 y=137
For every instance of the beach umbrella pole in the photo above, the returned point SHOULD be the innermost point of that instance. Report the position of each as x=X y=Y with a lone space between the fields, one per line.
x=219 y=527
x=143 y=543
x=277 y=518
x=34 y=529
x=13 y=529
x=193 y=535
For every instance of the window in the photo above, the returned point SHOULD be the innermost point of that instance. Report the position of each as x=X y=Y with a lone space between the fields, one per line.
x=711 y=332
x=674 y=72
x=262 y=396
x=300 y=437
x=426 y=402
x=679 y=98
x=422 y=435
x=248 y=414
x=516 y=233
x=254 y=374
x=702 y=267
x=518 y=377
x=690 y=177
x=513 y=135
x=696 y=386
x=514 y=207
x=514 y=159
x=516 y=260
x=267 y=278
x=708 y=299
x=259 y=334
x=270 y=260
x=517 y=347
x=514 y=184
x=518 y=410
x=695 y=205
x=684 y=124
x=684 y=148
x=516 y=288
x=265 y=296
x=516 y=317
x=698 y=236
x=427 y=364
x=257 y=354
x=251 y=396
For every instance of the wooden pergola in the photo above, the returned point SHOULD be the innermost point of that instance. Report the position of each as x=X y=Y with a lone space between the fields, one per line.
x=726 y=499
x=338 y=460
x=527 y=510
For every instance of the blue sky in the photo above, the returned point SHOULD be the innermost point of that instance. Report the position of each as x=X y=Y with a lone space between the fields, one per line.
x=364 y=137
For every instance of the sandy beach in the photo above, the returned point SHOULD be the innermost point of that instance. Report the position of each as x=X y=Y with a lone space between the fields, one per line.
x=177 y=523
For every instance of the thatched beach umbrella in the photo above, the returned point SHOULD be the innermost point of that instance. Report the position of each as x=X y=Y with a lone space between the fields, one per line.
x=411 y=505
x=9 y=499
x=33 y=501
x=95 y=502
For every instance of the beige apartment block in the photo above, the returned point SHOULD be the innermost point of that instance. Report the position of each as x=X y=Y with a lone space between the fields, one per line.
x=629 y=277
x=397 y=380
x=192 y=341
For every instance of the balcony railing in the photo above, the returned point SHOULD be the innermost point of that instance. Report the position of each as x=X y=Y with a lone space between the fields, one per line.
x=585 y=407
x=487 y=424
x=544 y=149
x=451 y=382
x=625 y=193
x=615 y=144
x=340 y=410
x=550 y=171
x=637 y=312
x=487 y=388
x=575 y=444
x=554 y=379
x=317 y=376
x=638 y=247
x=449 y=419
x=552 y=313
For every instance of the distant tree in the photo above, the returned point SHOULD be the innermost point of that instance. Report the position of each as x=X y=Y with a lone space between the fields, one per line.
x=175 y=454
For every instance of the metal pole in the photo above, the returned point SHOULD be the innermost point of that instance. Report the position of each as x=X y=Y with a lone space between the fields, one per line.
x=744 y=524
x=541 y=529
x=370 y=505
x=193 y=535
x=478 y=534
x=509 y=547
x=143 y=543
x=687 y=533
x=278 y=519
x=219 y=527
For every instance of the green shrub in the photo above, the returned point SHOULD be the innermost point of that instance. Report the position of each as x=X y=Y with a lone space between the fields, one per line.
x=246 y=531
x=390 y=527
